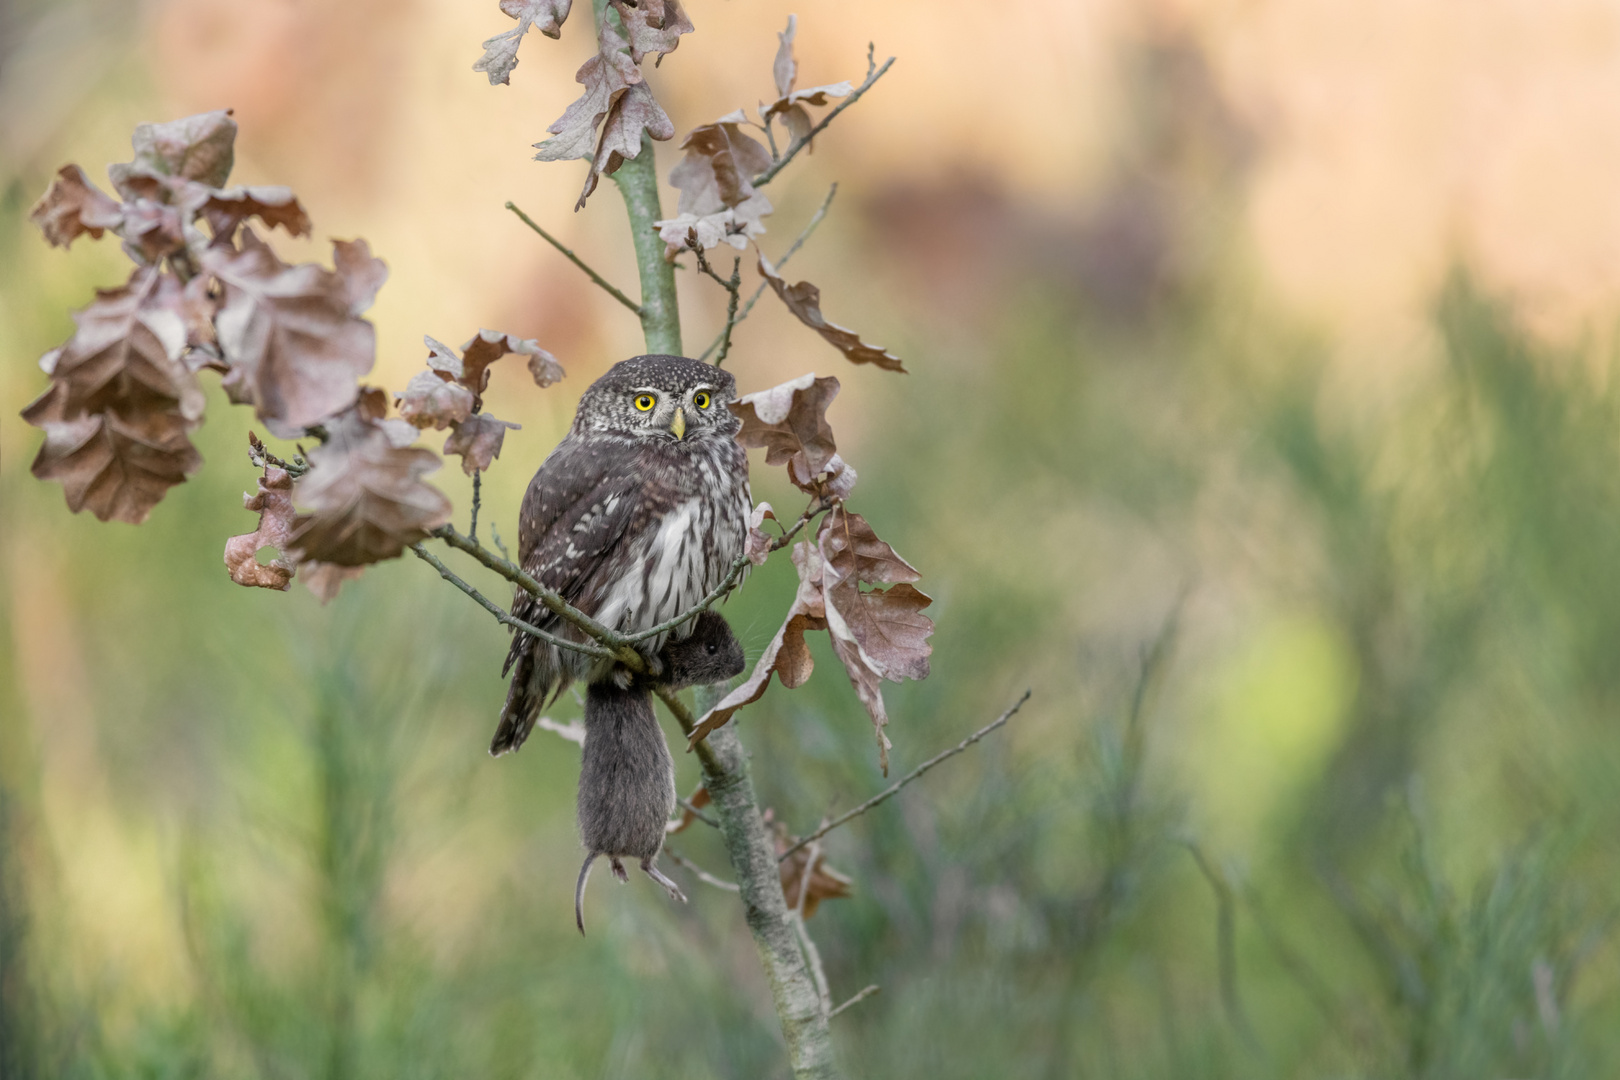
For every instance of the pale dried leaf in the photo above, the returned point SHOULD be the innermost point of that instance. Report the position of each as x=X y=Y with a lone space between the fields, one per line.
x=785 y=69
x=273 y=205
x=789 y=422
x=500 y=51
x=273 y=503
x=758 y=545
x=200 y=148
x=825 y=883
x=804 y=300
x=488 y=346
x=787 y=656
x=365 y=497
x=126 y=352
x=544 y=368
x=118 y=464
x=325 y=579
x=73 y=206
x=718 y=168
x=605 y=75
x=478 y=440
x=634 y=111
x=733 y=225
x=362 y=274
x=431 y=402
x=295 y=346
x=652 y=26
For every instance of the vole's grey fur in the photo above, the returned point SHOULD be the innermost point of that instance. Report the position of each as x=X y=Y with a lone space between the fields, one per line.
x=627 y=778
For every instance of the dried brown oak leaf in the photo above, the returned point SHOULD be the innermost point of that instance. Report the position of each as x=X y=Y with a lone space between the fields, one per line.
x=274 y=505
x=790 y=104
x=633 y=111
x=604 y=75
x=652 y=26
x=478 y=440
x=717 y=197
x=292 y=335
x=804 y=300
x=200 y=148
x=787 y=656
x=273 y=205
x=73 y=206
x=431 y=402
x=122 y=403
x=876 y=633
x=500 y=51
x=364 y=496
x=471 y=368
x=325 y=579
x=117 y=464
x=758 y=545
x=825 y=883
x=789 y=422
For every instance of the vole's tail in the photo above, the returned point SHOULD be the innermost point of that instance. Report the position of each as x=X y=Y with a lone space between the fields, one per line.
x=579 y=892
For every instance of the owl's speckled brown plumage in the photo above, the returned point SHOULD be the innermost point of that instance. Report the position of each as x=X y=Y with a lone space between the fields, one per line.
x=629 y=521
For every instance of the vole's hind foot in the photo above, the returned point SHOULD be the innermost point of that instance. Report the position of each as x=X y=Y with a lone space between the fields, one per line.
x=618 y=870
x=657 y=875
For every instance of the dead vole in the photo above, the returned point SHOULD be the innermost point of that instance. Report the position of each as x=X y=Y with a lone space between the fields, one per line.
x=627 y=778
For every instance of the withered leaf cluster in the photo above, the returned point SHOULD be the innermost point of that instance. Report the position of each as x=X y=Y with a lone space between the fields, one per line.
x=790 y=103
x=606 y=123
x=124 y=395
x=718 y=203
x=450 y=394
x=877 y=632
x=804 y=300
x=290 y=341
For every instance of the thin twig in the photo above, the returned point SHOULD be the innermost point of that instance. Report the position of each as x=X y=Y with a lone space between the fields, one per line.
x=856 y=1000
x=734 y=286
x=472 y=527
x=812 y=955
x=890 y=791
x=815 y=220
x=577 y=261
x=798 y=144
x=702 y=874
x=703 y=265
x=1225 y=945
x=502 y=615
x=614 y=642
x=686 y=804
x=495 y=535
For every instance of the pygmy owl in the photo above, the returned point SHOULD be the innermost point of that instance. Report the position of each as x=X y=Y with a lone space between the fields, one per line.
x=635 y=516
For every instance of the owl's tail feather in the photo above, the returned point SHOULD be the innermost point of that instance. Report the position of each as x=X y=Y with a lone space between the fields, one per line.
x=523 y=703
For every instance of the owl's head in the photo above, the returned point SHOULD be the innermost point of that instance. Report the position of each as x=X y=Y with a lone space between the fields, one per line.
x=661 y=397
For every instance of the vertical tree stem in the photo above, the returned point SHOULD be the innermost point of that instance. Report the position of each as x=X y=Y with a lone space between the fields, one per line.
x=725 y=763
x=660 y=315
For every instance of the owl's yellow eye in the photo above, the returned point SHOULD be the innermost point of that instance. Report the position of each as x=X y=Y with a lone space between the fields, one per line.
x=701 y=400
x=645 y=402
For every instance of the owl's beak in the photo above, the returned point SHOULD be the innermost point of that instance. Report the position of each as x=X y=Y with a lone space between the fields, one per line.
x=677 y=423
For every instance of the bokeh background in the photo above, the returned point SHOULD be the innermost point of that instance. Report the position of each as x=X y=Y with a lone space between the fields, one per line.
x=1262 y=417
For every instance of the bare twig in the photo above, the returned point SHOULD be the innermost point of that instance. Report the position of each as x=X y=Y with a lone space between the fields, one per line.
x=1225 y=945
x=812 y=955
x=872 y=76
x=893 y=788
x=495 y=536
x=472 y=527
x=502 y=615
x=614 y=642
x=700 y=873
x=577 y=261
x=734 y=286
x=260 y=455
x=856 y=1000
x=815 y=219
x=686 y=804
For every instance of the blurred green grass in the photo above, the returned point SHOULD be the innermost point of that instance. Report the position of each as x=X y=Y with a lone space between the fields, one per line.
x=249 y=836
